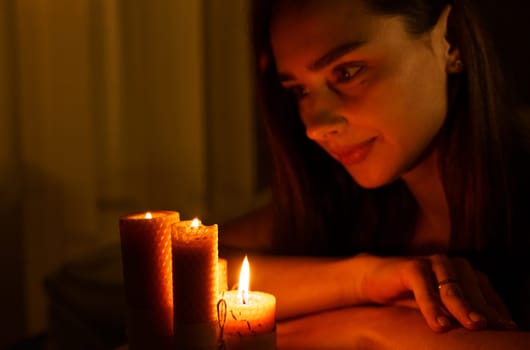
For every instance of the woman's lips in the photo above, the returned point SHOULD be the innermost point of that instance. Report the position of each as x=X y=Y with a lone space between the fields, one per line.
x=355 y=154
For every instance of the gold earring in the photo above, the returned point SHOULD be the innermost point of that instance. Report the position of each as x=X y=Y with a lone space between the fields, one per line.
x=457 y=66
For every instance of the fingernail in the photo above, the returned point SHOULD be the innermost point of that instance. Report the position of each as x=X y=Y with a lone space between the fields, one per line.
x=443 y=321
x=476 y=317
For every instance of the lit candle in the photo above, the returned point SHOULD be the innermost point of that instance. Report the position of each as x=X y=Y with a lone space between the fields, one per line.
x=250 y=316
x=146 y=261
x=195 y=277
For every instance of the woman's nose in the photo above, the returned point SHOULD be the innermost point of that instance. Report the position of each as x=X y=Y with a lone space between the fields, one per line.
x=321 y=115
x=328 y=127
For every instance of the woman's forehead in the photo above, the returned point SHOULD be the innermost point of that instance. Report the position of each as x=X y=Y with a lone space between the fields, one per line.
x=317 y=11
x=320 y=23
x=314 y=20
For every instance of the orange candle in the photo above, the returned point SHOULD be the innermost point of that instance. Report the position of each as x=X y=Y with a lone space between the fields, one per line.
x=146 y=259
x=250 y=316
x=195 y=280
x=222 y=277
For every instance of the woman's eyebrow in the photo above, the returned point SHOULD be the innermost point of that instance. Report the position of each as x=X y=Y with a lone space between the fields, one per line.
x=326 y=59
x=334 y=54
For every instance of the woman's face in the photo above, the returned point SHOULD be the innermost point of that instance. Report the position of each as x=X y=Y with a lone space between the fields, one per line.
x=369 y=93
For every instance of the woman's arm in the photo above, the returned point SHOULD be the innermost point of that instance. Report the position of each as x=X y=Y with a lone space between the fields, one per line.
x=304 y=285
x=301 y=284
x=386 y=327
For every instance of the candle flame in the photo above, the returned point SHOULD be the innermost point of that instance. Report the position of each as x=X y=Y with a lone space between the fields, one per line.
x=148 y=215
x=195 y=223
x=244 y=279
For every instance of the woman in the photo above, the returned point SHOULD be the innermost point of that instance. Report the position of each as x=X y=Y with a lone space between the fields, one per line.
x=399 y=172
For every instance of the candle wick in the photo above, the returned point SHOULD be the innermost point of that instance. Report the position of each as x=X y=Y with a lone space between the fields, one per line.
x=243 y=296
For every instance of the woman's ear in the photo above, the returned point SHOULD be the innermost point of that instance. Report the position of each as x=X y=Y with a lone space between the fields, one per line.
x=455 y=64
x=453 y=60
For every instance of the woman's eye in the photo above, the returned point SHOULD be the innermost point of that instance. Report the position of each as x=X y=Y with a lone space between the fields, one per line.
x=298 y=91
x=346 y=72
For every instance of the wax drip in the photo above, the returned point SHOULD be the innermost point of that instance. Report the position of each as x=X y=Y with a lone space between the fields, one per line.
x=221 y=318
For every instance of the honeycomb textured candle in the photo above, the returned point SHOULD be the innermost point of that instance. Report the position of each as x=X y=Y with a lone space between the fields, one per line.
x=147 y=274
x=222 y=274
x=195 y=259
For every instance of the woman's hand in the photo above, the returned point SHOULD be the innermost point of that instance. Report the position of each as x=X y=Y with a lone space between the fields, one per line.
x=447 y=291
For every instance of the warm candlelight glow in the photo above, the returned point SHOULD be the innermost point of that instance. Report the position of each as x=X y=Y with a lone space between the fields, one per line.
x=250 y=322
x=244 y=279
x=148 y=215
x=195 y=223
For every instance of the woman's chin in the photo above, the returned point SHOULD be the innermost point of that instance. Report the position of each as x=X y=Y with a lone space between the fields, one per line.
x=371 y=180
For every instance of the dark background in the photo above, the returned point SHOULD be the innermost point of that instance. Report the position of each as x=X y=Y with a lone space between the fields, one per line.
x=509 y=23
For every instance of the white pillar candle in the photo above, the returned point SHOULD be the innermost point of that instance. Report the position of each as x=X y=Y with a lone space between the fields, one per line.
x=250 y=316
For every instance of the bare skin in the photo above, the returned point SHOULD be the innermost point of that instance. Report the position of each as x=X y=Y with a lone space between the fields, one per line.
x=386 y=327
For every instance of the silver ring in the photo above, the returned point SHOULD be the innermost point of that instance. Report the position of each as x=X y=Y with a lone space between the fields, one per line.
x=446 y=281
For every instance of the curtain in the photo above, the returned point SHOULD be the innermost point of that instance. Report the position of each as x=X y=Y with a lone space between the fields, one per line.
x=109 y=107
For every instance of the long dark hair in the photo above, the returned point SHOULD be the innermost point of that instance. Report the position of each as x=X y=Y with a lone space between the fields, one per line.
x=320 y=210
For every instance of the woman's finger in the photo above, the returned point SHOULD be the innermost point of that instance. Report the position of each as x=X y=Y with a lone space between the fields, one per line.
x=419 y=278
x=452 y=293
x=500 y=318
x=483 y=297
x=473 y=292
